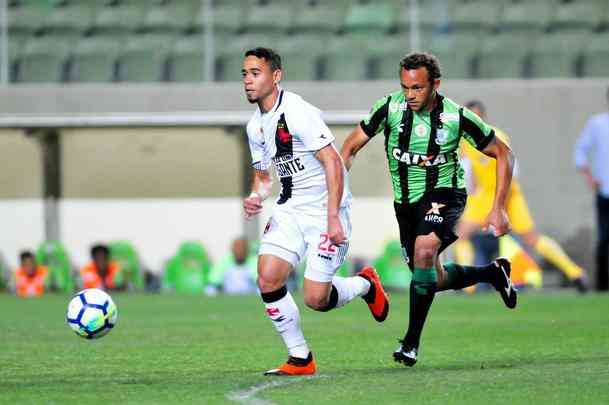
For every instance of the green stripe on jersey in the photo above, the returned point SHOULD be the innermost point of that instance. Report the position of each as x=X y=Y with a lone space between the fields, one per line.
x=422 y=156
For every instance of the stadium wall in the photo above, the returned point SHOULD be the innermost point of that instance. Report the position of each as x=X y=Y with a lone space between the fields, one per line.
x=130 y=166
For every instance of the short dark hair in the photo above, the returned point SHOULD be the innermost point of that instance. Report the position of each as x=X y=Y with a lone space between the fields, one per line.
x=476 y=104
x=417 y=60
x=267 y=54
x=26 y=254
x=101 y=249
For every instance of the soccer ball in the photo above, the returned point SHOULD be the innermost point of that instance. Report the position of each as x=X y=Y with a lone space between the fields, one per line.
x=92 y=314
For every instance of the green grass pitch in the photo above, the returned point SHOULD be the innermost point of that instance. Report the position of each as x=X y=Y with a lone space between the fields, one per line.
x=552 y=349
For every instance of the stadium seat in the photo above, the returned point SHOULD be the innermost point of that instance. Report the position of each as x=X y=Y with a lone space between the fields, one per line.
x=433 y=16
x=504 y=56
x=55 y=256
x=230 y=56
x=345 y=60
x=299 y=65
x=94 y=60
x=118 y=20
x=143 y=58
x=188 y=270
x=479 y=16
x=69 y=21
x=579 y=15
x=596 y=57
x=227 y=19
x=125 y=254
x=43 y=60
x=456 y=53
x=369 y=18
x=172 y=18
x=392 y=270
x=26 y=20
x=268 y=19
x=320 y=18
x=5 y=274
x=527 y=17
x=186 y=62
x=386 y=56
x=556 y=55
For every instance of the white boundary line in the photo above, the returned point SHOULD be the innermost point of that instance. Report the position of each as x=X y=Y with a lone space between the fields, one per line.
x=248 y=395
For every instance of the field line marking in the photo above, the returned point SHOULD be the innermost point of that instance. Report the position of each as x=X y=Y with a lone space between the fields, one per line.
x=248 y=395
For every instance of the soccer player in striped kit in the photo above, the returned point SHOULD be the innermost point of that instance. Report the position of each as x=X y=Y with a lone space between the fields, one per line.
x=422 y=130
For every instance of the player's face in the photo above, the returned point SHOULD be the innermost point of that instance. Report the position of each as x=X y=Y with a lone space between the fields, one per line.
x=259 y=80
x=418 y=90
x=101 y=260
x=29 y=266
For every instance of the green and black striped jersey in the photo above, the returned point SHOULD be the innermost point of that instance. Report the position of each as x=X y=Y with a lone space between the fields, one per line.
x=422 y=147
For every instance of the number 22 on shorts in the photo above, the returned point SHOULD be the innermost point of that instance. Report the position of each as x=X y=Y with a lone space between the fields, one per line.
x=325 y=245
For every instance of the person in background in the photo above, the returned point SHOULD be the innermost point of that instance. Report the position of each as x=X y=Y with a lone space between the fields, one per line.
x=102 y=272
x=482 y=183
x=31 y=280
x=590 y=155
x=234 y=274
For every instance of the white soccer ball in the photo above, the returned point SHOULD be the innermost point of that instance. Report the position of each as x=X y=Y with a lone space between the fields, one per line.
x=92 y=313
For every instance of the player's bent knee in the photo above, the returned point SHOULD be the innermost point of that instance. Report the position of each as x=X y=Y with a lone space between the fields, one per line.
x=268 y=282
x=425 y=255
x=316 y=302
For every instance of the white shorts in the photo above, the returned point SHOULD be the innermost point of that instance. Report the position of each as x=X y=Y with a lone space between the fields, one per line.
x=293 y=235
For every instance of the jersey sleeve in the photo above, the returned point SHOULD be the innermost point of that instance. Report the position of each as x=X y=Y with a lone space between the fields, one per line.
x=376 y=120
x=478 y=133
x=305 y=123
x=259 y=159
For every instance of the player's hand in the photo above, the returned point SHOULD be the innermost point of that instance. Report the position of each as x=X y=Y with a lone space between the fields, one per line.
x=252 y=205
x=335 y=230
x=497 y=221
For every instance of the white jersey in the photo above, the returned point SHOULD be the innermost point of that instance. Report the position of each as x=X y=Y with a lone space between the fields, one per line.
x=289 y=135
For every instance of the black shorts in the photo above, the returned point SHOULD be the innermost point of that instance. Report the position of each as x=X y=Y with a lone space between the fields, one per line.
x=438 y=211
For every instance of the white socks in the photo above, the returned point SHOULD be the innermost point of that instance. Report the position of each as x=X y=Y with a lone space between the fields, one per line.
x=349 y=288
x=284 y=314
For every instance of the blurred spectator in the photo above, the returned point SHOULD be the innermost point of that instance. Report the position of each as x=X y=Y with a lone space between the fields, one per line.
x=188 y=271
x=591 y=159
x=31 y=280
x=480 y=200
x=234 y=274
x=102 y=272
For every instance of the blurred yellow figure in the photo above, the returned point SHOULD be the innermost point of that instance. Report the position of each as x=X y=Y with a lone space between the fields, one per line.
x=480 y=201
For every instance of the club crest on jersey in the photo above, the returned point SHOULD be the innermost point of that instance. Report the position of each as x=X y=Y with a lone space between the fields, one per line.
x=441 y=136
x=283 y=134
x=415 y=159
x=420 y=130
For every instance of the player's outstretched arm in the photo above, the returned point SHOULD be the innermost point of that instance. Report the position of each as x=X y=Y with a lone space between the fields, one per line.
x=354 y=142
x=498 y=218
x=333 y=167
x=261 y=188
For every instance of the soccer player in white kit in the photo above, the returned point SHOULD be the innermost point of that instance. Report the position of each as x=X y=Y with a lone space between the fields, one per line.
x=311 y=215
